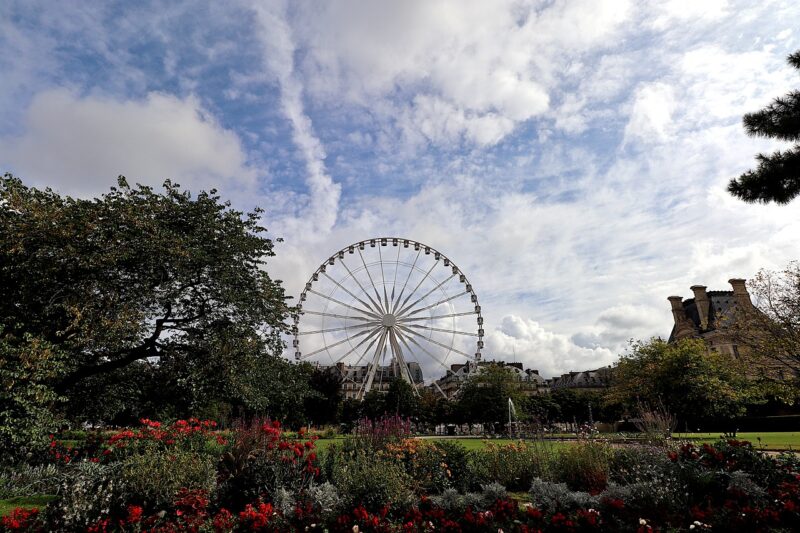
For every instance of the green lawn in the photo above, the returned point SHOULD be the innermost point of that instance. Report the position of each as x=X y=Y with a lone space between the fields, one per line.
x=782 y=440
x=28 y=502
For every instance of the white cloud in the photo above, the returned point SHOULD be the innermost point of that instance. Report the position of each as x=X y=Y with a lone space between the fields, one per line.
x=450 y=70
x=279 y=49
x=525 y=340
x=651 y=115
x=80 y=145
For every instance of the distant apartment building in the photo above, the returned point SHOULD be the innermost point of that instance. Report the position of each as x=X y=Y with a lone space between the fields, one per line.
x=587 y=380
x=354 y=377
x=528 y=380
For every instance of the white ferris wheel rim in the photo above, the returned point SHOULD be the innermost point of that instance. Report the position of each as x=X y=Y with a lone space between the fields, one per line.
x=388 y=323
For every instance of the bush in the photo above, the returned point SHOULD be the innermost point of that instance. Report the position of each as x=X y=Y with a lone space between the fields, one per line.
x=370 y=481
x=91 y=493
x=584 y=466
x=26 y=480
x=154 y=479
x=512 y=465
x=551 y=497
x=261 y=461
x=637 y=464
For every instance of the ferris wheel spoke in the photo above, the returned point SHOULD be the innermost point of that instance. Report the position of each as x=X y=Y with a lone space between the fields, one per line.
x=405 y=340
x=374 y=287
x=428 y=273
x=446 y=347
x=418 y=300
x=415 y=311
x=453 y=331
x=362 y=311
x=394 y=281
x=335 y=344
x=345 y=328
x=362 y=302
x=410 y=271
x=383 y=278
x=367 y=349
x=375 y=307
x=398 y=354
x=368 y=337
x=435 y=317
x=318 y=313
x=375 y=360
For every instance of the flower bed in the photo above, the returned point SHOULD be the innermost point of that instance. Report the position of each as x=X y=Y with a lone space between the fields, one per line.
x=188 y=476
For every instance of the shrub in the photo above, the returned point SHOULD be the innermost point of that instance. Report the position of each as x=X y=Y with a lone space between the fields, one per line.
x=91 y=493
x=551 y=497
x=431 y=467
x=636 y=464
x=155 y=478
x=27 y=480
x=371 y=481
x=261 y=461
x=584 y=466
x=512 y=465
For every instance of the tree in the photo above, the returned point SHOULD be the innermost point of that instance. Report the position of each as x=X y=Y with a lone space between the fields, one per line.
x=135 y=275
x=690 y=380
x=777 y=178
x=769 y=332
x=27 y=400
x=324 y=408
x=484 y=397
x=401 y=399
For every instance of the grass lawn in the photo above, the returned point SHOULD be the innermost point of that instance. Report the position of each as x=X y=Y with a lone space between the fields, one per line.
x=28 y=502
x=781 y=440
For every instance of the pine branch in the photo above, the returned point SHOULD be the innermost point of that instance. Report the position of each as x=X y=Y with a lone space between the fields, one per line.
x=780 y=120
x=777 y=179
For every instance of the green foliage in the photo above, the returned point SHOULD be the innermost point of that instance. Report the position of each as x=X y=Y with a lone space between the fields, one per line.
x=90 y=493
x=26 y=480
x=28 y=402
x=155 y=478
x=323 y=407
x=369 y=480
x=777 y=178
x=689 y=379
x=484 y=397
x=513 y=465
x=768 y=332
x=137 y=275
x=401 y=400
x=584 y=466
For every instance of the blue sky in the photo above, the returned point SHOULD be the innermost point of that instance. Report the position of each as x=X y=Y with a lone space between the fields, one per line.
x=570 y=156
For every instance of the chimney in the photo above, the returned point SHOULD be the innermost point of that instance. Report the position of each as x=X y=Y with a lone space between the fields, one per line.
x=701 y=300
x=740 y=294
x=677 y=308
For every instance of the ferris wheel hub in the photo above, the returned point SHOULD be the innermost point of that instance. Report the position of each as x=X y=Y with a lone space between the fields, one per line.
x=389 y=320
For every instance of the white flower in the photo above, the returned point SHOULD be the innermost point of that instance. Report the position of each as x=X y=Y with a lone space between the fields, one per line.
x=691 y=527
x=642 y=522
x=355 y=529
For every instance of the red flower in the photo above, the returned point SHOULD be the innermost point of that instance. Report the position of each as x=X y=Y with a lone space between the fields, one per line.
x=19 y=519
x=134 y=514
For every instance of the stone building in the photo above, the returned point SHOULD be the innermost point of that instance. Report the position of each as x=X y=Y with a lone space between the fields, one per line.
x=528 y=380
x=588 y=380
x=707 y=314
x=354 y=377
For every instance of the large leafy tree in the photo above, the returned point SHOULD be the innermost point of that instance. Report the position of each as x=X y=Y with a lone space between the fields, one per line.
x=687 y=378
x=777 y=177
x=166 y=279
x=484 y=397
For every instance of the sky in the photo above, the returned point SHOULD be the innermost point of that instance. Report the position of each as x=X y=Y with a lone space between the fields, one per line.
x=570 y=157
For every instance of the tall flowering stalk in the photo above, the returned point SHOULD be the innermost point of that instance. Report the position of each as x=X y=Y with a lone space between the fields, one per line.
x=376 y=434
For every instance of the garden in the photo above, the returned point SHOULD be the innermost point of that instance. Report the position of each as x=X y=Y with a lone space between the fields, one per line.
x=143 y=388
x=190 y=475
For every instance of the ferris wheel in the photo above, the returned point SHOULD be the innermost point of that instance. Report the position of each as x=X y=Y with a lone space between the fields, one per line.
x=387 y=307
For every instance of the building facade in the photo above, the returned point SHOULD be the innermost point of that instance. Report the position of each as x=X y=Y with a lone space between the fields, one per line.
x=527 y=380
x=354 y=377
